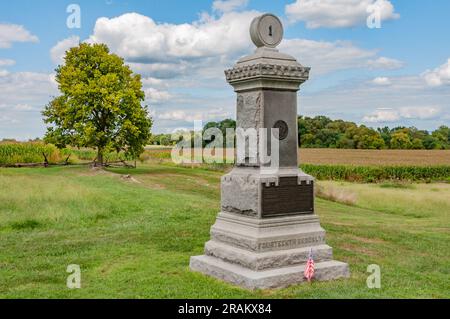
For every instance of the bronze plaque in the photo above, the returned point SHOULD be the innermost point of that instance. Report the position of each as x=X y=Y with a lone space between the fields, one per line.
x=289 y=198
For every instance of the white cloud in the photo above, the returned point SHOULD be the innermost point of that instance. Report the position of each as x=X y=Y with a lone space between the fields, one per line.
x=381 y=81
x=439 y=76
x=18 y=107
x=7 y=62
x=229 y=5
x=201 y=50
x=58 y=52
x=5 y=120
x=383 y=115
x=420 y=113
x=24 y=90
x=193 y=115
x=385 y=63
x=178 y=115
x=26 y=87
x=139 y=39
x=325 y=57
x=23 y=95
x=156 y=96
x=337 y=13
x=161 y=70
x=150 y=81
x=3 y=63
x=10 y=33
x=23 y=107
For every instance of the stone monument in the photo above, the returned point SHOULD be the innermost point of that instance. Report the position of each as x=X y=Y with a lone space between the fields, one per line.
x=267 y=227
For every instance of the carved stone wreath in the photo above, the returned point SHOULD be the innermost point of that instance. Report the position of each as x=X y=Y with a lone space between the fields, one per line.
x=283 y=129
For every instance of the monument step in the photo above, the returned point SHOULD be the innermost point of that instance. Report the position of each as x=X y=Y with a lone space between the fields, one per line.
x=267 y=260
x=273 y=278
x=271 y=234
x=265 y=242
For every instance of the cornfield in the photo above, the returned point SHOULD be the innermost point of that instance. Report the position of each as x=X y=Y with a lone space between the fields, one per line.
x=31 y=152
x=371 y=174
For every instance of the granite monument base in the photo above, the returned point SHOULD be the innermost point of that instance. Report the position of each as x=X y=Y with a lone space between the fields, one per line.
x=267 y=253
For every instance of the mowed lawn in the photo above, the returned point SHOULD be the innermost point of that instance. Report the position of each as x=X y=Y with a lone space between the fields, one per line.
x=133 y=236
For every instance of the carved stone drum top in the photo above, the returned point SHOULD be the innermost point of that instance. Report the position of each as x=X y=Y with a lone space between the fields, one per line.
x=266 y=31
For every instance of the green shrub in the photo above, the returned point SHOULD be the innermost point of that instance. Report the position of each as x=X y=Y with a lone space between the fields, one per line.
x=88 y=154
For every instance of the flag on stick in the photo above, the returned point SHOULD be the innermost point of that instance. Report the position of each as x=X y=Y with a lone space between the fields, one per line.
x=309 y=268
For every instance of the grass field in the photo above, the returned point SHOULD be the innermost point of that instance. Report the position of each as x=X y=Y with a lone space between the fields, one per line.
x=133 y=236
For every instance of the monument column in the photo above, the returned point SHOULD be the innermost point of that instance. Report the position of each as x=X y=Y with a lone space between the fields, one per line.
x=267 y=227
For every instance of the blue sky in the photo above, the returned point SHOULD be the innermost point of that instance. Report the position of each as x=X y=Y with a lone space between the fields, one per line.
x=398 y=74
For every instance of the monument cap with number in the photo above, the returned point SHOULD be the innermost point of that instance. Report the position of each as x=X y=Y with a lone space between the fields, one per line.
x=266 y=31
x=267 y=67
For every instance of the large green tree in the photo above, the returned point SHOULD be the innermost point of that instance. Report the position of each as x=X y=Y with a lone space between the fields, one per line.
x=100 y=105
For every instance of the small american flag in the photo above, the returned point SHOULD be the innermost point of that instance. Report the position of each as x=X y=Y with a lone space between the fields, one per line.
x=309 y=268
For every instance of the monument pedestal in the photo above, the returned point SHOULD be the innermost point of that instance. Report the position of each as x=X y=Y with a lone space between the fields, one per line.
x=267 y=227
x=267 y=253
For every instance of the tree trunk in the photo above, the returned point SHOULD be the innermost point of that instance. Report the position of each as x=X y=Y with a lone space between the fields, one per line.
x=100 y=156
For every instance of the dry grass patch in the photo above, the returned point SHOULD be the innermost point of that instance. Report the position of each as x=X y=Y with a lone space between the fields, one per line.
x=374 y=157
x=338 y=195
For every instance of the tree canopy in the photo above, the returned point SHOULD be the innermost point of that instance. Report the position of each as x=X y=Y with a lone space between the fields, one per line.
x=100 y=104
x=323 y=132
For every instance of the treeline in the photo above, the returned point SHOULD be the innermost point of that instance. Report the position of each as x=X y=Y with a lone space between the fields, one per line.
x=323 y=132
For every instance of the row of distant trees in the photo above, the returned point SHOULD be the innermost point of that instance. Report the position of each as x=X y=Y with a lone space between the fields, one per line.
x=323 y=132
